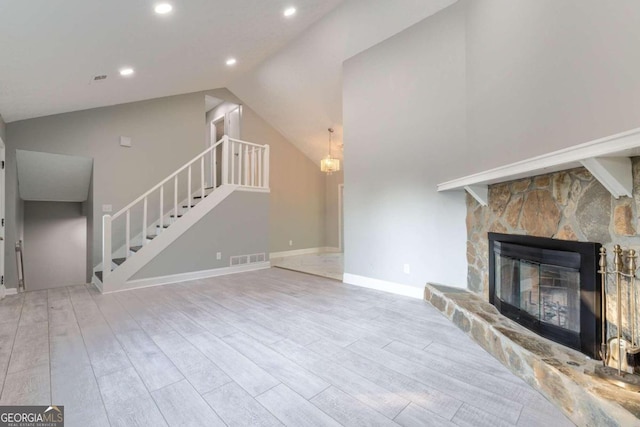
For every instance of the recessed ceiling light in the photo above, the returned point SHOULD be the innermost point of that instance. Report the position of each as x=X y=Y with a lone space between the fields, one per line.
x=126 y=71
x=231 y=61
x=163 y=8
x=290 y=11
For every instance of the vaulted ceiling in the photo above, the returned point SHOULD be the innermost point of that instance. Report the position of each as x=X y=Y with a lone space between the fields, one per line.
x=51 y=50
x=289 y=70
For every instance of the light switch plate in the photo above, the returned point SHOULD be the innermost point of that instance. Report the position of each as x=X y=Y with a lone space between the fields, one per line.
x=125 y=141
x=219 y=256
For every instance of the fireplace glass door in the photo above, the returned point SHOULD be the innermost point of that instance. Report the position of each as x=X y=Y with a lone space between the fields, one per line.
x=549 y=286
x=550 y=294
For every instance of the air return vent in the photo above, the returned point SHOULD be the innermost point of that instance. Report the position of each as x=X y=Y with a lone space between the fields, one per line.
x=248 y=259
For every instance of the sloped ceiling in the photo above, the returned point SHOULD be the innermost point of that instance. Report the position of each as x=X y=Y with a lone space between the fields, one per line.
x=50 y=50
x=298 y=90
x=53 y=177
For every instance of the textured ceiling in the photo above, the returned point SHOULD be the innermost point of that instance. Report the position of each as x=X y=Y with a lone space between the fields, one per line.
x=51 y=50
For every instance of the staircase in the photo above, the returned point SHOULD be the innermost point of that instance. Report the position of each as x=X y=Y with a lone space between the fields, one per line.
x=149 y=224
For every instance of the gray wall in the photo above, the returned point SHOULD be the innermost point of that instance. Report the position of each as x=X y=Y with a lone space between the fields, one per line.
x=55 y=240
x=3 y=129
x=331 y=209
x=398 y=148
x=540 y=76
x=166 y=133
x=237 y=226
x=546 y=74
x=296 y=209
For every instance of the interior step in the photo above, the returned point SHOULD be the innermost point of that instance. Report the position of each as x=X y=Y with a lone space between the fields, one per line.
x=119 y=261
x=173 y=216
x=199 y=197
x=135 y=248
x=99 y=275
x=151 y=236
x=164 y=226
x=186 y=206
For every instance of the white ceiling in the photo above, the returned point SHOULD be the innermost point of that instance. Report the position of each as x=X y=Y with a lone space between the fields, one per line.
x=51 y=50
x=289 y=70
x=53 y=177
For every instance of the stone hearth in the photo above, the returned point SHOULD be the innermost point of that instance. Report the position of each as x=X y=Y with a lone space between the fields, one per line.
x=559 y=373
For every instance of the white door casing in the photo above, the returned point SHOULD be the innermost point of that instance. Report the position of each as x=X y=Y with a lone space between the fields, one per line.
x=341 y=217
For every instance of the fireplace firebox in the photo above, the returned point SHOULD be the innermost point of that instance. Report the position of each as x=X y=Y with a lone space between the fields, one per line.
x=549 y=286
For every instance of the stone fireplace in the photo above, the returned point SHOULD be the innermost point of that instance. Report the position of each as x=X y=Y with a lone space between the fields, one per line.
x=569 y=205
x=564 y=208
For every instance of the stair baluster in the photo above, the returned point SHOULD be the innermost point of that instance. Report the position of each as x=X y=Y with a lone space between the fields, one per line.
x=202 y=177
x=161 y=210
x=175 y=198
x=189 y=188
x=127 y=236
x=249 y=168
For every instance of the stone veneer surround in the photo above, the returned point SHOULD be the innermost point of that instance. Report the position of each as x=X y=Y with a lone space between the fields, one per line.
x=567 y=205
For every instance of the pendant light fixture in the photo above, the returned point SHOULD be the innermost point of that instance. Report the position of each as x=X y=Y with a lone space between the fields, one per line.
x=330 y=164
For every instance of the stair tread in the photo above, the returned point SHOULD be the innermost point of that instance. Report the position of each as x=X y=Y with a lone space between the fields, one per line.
x=173 y=216
x=199 y=197
x=186 y=206
x=119 y=261
x=135 y=248
x=151 y=236
x=164 y=226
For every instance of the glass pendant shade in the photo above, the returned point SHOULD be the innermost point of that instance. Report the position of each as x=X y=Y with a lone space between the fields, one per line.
x=329 y=164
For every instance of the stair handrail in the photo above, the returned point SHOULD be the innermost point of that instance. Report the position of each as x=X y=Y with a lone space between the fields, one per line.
x=167 y=179
x=252 y=171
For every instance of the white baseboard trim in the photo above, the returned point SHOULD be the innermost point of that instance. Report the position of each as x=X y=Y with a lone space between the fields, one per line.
x=383 y=285
x=320 y=250
x=192 y=275
x=10 y=291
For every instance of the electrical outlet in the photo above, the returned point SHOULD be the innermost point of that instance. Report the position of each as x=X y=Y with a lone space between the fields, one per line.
x=290 y=242
x=407 y=269
x=218 y=256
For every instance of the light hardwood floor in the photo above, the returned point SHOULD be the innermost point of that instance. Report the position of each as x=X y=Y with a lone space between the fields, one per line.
x=265 y=348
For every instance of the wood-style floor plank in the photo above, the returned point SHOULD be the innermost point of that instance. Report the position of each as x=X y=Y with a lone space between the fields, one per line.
x=181 y=405
x=297 y=378
x=348 y=410
x=263 y=348
x=293 y=410
x=237 y=408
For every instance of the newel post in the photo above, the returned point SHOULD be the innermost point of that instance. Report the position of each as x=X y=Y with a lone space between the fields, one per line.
x=225 y=160
x=106 y=246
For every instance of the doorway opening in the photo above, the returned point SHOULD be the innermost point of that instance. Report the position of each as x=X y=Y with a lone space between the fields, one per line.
x=221 y=118
x=57 y=216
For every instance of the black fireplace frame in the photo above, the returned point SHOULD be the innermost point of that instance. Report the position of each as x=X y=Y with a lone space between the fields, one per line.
x=588 y=340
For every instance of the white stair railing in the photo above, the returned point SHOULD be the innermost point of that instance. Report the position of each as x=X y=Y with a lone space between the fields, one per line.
x=243 y=164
